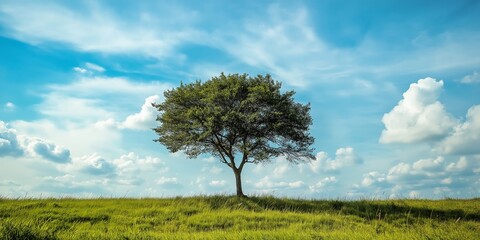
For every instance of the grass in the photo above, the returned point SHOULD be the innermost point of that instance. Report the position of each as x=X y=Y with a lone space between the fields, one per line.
x=227 y=217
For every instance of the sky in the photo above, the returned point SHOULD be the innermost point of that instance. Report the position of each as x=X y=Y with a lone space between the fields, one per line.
x=394 y=88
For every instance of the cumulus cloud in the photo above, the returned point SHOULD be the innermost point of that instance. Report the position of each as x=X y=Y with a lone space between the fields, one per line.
x=12 y=144
x=465 y=138
x=373 y=178
x=217 y=183
x=133 y=164
x=323 y=183
x=426 y=176
x=459 y=166
x=472 y=78
x=94 y=175
x=418 y=116
x=92 y=164
x=47 y=150
x=266 y=183
x=344 y=157
x=9 y=145
x=145 y=119
x=9 y=106
x=428 y=164
x=168 y=182
x=128 y=169
x=423 y=168
x=90 y=106
x=93 y=99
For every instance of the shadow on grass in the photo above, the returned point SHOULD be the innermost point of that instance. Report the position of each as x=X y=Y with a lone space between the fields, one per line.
x=25 y=231
x=369 y=210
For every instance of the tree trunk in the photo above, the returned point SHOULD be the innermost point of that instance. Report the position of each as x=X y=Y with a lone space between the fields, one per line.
x=238 y=180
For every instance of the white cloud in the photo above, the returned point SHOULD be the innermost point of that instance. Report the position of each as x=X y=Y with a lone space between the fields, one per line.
x=284 y=44
x=427 y=177
x=212 y=169
x=9 y=144
x=13 y=144
x=132 y=164
x=131 y=169
x=91 y=87
x=145 y=119
x=266 y=183
x=56 y=105
x=94 y=67
x=373 y=178
x=217 y=183
x=167 y=181
x=282 y=166
x=465 y=138
x=80 y=139
x=80 y=70
x=472 y=78
x=344 y=157
x=98 y=98
x=88 y=107
x=92 y=164
x=430 y=168
x=418 y=116
x=89 y=68
x=70 y=185
x=9 y=106
x=49 y=151
x=323 y=183
x=128 y=169
x=459 y=166
x=398 y=171
x=446 y=180
x=92 y=29
x=428 y=164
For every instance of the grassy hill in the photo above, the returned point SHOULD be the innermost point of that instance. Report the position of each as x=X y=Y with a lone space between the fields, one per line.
x=225 y=217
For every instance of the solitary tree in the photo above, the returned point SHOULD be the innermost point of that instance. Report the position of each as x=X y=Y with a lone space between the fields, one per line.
x=237 y=118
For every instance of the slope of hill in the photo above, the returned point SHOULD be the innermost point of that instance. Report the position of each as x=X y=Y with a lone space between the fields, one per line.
x=226 y=217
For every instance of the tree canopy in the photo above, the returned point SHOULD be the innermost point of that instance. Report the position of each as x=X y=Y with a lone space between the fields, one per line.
x=237 y=118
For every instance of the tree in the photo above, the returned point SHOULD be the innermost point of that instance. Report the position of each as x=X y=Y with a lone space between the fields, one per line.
x=237 y=118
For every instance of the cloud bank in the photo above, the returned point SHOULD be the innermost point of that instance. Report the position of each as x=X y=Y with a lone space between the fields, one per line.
x=418 y=116
x=15 y=145
x=344 y=157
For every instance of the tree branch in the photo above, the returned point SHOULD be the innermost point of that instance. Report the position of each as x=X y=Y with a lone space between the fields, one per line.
x=223 y=159
x=244 y=160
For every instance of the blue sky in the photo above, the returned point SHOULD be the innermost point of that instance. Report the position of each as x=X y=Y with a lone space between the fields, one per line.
x=394 y=89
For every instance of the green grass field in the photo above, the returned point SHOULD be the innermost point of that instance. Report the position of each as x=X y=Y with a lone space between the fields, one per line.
x=225 y=217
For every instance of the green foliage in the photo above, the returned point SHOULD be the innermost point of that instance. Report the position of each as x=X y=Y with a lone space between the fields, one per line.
x=235 y=115
x=226 y=217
